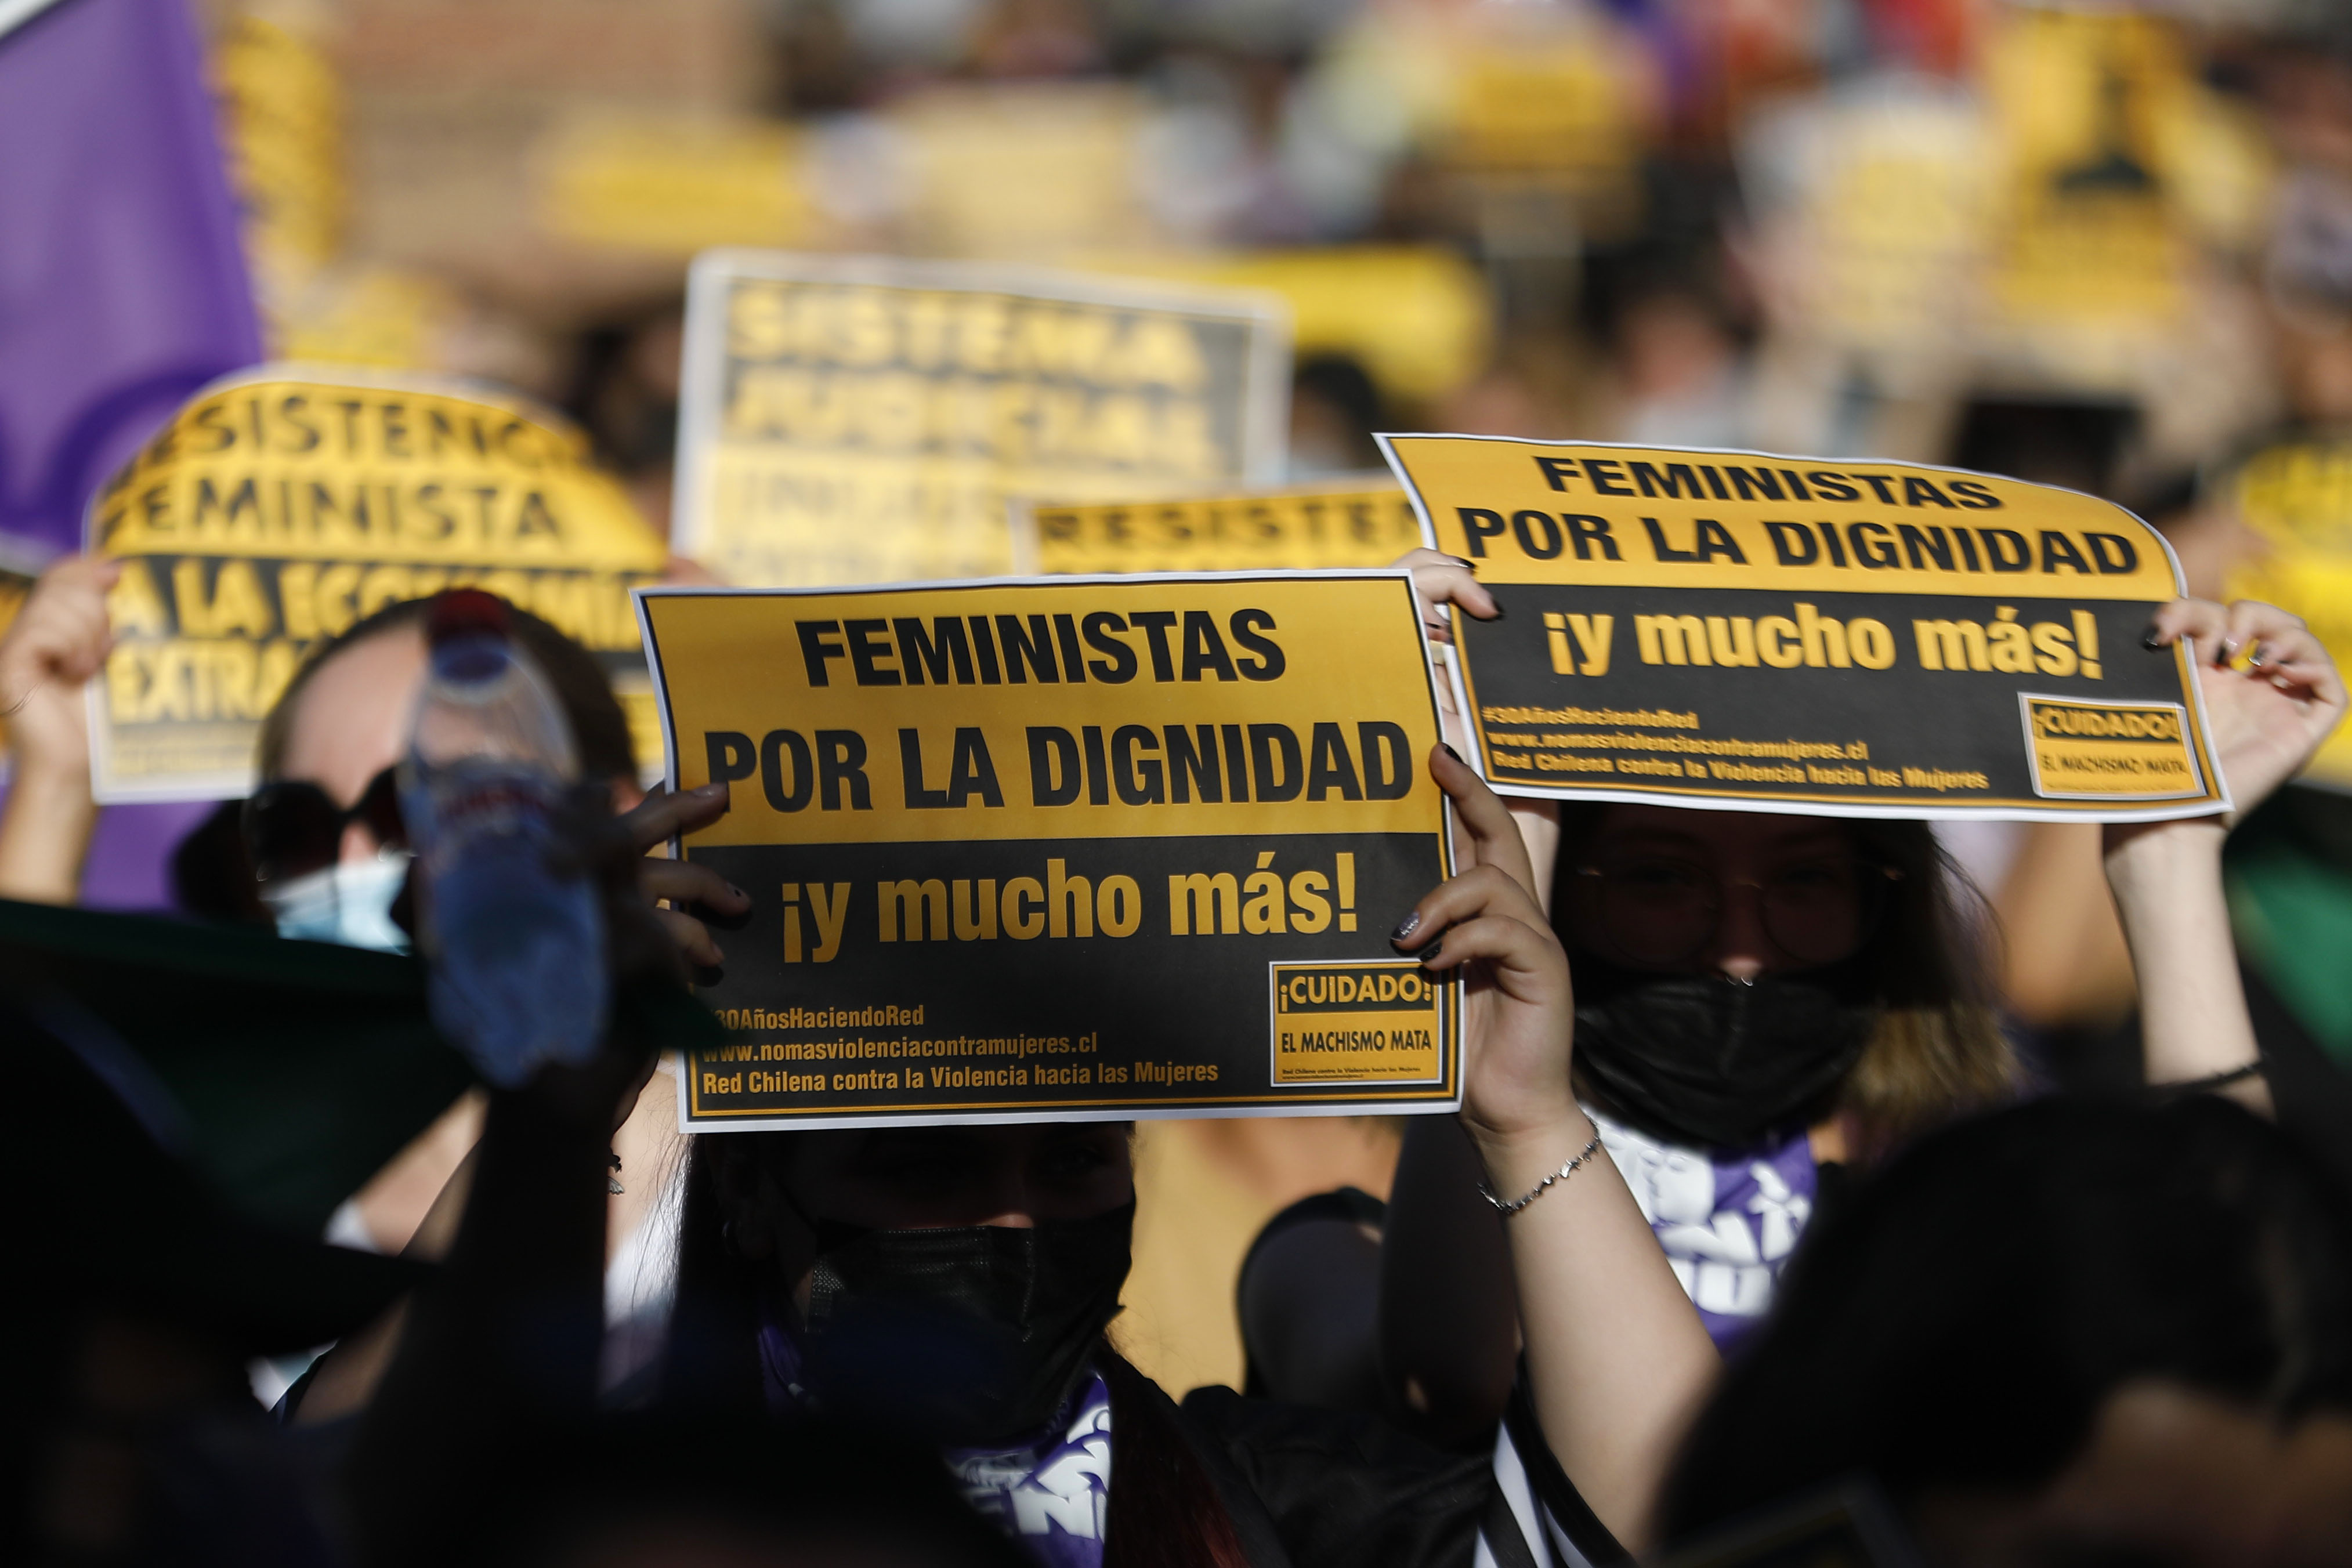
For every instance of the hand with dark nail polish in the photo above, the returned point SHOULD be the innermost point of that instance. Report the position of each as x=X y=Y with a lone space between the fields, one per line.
x=1453 y=754
x=2152 y=641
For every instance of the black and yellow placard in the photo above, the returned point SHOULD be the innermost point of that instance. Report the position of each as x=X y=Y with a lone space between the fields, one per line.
x=1094 y=846
x=1836 y=637
x=284 y=504
x=866 y=420
x=1351 y=520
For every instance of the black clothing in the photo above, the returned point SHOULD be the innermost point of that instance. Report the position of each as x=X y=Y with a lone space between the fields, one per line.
x=1308 y=1488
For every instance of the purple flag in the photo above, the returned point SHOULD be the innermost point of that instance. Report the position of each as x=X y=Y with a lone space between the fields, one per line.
x=122 y=290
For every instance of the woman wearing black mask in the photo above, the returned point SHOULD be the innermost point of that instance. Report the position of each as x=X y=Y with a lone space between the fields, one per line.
x=954 y=1284
x=1765 y=1003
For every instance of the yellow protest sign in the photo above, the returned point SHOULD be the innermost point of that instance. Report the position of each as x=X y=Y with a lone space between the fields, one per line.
x=1036 y=170
x=866 y=420
x=1151 y=833
x=1842 y=638
x=281 y=505
x=1420 y=319
x=1346 y=520
x=283 y=110
x=2085 y=222
x=674 y=183
x=2297 y=499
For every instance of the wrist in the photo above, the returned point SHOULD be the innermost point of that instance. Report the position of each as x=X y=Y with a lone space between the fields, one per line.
x=60 y=790
x=1517 y=1159
x=2159 y=860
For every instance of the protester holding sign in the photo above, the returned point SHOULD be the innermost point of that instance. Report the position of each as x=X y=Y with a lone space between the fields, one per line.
x=955 y=1281
x=1743 y=1049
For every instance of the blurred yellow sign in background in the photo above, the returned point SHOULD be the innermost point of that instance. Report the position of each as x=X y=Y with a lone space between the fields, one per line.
x=283 y=504
x=866 y=420
x=1348 y=520
x=2297 y=499
x=675 y=184
x=1419 y=319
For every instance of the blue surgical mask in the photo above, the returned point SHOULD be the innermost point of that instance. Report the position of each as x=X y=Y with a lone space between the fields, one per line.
x=348 y=902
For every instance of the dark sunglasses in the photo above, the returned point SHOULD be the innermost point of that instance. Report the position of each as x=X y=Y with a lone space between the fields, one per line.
x=293 y=828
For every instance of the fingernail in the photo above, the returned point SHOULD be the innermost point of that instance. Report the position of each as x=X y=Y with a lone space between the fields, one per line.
x=1497 y=615
x=737 y=890
x=1407 y=926
x=717 y=787
x=2151 y=640
x=2254 y=659
x=1453 y=754
x=1432 y=951
x=1464 y=562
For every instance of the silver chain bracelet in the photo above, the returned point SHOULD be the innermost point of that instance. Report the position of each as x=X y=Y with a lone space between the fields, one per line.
x=1566 y=1171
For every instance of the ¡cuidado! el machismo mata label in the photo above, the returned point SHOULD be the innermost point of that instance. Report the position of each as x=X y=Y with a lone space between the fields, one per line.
x=1094 y=847
x=1694 y=627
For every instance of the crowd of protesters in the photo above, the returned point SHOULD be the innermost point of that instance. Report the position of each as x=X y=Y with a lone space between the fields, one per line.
x=2053 y=1330
x=1983 y=1190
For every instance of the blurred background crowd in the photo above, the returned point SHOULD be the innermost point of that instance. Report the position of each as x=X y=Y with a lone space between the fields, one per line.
x=2103 y=246
x=2109 y=244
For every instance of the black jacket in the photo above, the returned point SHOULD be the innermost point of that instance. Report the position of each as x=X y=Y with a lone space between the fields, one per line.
x=1309 y=1487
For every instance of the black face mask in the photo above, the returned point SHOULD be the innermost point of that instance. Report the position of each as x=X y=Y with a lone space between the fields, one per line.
x=1710 y=1062
x=966 y=1334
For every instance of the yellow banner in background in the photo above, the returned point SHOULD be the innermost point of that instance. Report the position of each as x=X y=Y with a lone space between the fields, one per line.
x=867 y=420
x=2297 y=499
x=1419 y=319
x=283 y=504
x=1350 y=519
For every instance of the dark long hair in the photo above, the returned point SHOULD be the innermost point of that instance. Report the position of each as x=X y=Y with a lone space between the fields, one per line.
x=1962 y=1322
x=1165 y=1509
x=1939 y=1051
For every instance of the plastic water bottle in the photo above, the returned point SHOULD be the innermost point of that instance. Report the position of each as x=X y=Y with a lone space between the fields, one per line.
x=515 y=945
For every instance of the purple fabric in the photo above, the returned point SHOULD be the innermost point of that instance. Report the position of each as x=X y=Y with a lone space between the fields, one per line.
x=1050 y=1493
x=1728 y=1220
x=122 y=290
x=129 y=863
